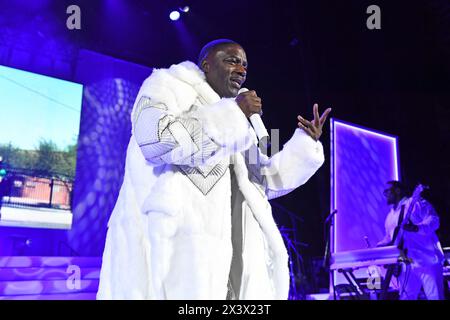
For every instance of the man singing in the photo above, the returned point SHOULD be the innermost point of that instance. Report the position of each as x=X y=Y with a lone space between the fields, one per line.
x=192 y=220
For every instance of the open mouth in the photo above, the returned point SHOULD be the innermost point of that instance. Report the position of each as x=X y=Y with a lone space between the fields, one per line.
x=235 y=83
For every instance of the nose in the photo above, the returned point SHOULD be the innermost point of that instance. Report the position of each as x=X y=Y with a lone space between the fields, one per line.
x=241 y=70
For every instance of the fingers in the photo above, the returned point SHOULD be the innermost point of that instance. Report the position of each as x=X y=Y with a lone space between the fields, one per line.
x=316 y=114
x=251 y=93
x=305 y=122
x=251 y=96
x=324 y=116
x=314 y=127
x=249 y=103
x=302 y=126
x=256 y=102
x=320 y=120
x=317 y=122
x=256 y=105
x=307 y=126
x=307 y=130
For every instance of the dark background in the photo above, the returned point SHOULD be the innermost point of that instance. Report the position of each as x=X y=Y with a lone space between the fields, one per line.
x=395 y=80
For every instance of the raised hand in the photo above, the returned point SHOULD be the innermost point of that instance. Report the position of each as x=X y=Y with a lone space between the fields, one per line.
x=314 y=127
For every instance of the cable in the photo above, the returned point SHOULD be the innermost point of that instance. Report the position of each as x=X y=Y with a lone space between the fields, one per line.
x=40 y=94
x=405 y=282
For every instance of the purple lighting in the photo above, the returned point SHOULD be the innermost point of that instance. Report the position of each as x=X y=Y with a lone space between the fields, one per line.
x=174 y=15
x=363 y=160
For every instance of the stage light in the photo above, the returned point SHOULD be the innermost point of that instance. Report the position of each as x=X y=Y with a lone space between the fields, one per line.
x=184 y=9
x=174 y=15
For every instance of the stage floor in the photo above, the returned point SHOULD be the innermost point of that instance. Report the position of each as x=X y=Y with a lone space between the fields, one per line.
x=35 y=218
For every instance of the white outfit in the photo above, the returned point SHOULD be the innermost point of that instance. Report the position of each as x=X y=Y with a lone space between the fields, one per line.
x=192 y=220
x=422 y=248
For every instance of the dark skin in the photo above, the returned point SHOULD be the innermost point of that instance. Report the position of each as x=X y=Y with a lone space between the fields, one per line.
x=393 y=196
x=225 y=70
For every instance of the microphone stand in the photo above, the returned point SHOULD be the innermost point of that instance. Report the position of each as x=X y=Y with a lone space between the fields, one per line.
x=329 y=221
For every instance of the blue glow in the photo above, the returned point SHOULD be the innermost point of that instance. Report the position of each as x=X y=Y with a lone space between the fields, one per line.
x=185 y=9
x=174 y=15
x=363 y=160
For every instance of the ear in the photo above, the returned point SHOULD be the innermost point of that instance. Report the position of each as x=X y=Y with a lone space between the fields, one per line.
x=205 y=66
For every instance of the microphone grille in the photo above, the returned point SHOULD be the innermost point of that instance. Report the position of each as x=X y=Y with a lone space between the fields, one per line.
x=242 y=90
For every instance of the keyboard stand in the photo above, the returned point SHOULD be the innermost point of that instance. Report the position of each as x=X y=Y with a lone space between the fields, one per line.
x=351 y=279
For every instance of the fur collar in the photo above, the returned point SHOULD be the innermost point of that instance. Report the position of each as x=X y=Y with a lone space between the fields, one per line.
x=187 y=71
x=191 y=74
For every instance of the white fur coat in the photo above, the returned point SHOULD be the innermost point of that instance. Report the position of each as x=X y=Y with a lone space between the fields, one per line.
x=189 y=148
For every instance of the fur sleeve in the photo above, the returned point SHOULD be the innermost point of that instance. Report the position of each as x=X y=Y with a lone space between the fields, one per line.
x=166 y=134
x=290 y=168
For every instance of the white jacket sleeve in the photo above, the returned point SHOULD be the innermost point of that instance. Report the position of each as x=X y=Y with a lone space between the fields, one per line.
x=190 y=138
x=290 y=168
x=386 y=239
x=425 y=217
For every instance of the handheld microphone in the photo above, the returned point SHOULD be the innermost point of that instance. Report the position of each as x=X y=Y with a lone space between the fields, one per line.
x=258 y=125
